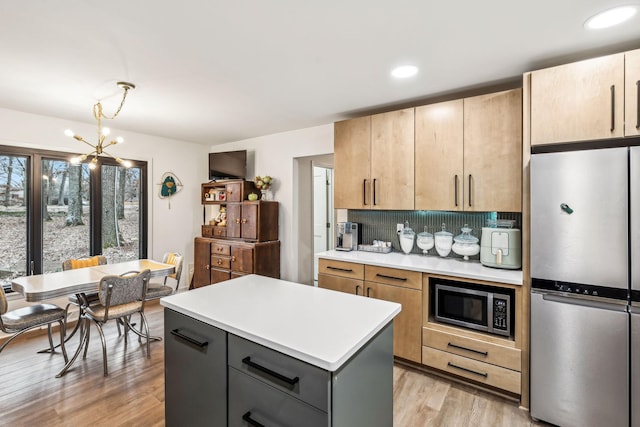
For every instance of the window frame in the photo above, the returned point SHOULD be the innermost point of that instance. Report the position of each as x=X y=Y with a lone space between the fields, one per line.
x=34 y=257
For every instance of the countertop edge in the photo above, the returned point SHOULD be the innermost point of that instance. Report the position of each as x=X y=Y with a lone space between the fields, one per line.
x=330 y=366
x=412 y=262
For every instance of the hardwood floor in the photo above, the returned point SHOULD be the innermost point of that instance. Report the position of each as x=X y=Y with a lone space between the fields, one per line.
x=133 y=393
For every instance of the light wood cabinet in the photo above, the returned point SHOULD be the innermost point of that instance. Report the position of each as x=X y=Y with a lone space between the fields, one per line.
x=579 y=101
x=493 y=152
x=217 y=260
x=439 y=151
x=352 y=163
x=374 y=161
x=483 y=358
x=632 y=93
x=469 y=154
x=389 y=284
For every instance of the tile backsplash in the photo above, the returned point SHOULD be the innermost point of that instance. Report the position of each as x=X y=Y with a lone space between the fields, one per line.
x=381 y=225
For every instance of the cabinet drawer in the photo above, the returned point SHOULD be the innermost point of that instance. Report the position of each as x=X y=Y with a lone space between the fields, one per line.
x=481 y=372
x=207 y=231
x=291 y=376
x=252 y=402
x=220 y=262
x=220 y=249
x=393 y=276
x=483 y=351
x=341 y=268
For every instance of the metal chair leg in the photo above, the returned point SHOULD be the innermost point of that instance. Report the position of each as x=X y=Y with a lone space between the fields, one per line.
x=63 y=331
x=83 y=337
x=50 y=338
x=104 y=349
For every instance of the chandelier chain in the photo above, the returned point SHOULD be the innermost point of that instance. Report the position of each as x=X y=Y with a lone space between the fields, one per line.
x=97 y=109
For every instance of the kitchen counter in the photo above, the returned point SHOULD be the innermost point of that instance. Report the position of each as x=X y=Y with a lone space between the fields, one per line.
x=318 y=326
x=428 y=264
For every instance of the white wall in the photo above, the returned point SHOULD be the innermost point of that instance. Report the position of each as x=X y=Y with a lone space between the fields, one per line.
x=169 y=229
x=275 y=155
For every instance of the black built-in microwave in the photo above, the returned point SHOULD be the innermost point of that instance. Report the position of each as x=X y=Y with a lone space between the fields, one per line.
x=483 y=308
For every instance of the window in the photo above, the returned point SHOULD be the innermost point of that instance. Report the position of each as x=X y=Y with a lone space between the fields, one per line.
x=52 y=210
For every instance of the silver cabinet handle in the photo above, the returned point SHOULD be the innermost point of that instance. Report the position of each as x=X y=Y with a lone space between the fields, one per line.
x=470 y=201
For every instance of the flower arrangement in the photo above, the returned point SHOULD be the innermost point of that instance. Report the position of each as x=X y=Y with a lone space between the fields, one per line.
x=263 y=183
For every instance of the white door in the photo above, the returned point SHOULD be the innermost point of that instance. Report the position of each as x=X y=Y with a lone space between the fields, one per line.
x=322 y=218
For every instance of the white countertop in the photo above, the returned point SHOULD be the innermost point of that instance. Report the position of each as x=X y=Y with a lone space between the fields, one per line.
x=321 y=327
x=428 y=264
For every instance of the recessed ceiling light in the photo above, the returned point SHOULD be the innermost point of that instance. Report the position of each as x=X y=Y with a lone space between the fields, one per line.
x=610 y=17
x=404 y=71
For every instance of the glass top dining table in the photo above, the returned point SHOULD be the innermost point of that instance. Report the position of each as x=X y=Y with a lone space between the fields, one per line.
x=40 y=287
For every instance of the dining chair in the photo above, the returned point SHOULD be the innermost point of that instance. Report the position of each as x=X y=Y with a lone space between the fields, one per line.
x=24 y=319
x=119 y=297
x=92 y=297
x=158 y=290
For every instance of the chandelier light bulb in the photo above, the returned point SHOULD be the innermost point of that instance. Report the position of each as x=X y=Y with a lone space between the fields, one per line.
x=126 y=164
x=103 y=132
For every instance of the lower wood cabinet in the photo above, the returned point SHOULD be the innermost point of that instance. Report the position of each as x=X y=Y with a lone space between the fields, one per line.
x=389 y=284
x=217 y=260
x=484 y=359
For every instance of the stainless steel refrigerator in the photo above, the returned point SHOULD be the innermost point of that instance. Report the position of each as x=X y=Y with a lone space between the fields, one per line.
x=581 y=260
x=634 y=307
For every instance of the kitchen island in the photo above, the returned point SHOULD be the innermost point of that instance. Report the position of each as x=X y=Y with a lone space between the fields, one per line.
x=261 y=351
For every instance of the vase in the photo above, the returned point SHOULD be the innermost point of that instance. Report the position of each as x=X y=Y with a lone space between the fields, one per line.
x=264 y=195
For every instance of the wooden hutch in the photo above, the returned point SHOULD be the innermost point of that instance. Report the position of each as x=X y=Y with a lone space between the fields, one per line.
x=246 y=243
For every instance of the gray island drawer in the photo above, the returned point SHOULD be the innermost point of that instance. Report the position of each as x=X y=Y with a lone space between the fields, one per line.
x=253 y=402
x=287 y=374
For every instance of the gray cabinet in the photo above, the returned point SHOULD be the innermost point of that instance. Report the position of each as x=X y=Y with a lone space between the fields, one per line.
x=206 y=367
x=195 y=372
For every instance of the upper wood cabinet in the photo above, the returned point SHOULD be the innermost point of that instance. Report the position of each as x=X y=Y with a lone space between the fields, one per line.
x=439 y=149
x=352 y=163
x=632 y=93
x=493 y=152
x=469 y=154
x=374 y=161
x=578 y=101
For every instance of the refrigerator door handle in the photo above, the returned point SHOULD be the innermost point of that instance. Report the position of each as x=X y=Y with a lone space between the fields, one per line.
x=584 y=302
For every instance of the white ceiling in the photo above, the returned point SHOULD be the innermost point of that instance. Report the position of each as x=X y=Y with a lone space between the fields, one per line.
x=212 y=71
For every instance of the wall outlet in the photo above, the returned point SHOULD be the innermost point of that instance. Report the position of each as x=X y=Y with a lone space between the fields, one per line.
x=399 y=228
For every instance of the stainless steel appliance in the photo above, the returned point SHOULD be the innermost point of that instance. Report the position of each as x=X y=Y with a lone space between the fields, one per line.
x=634 y=309
x=464 y=304
x=580 y=265
x=348 y=236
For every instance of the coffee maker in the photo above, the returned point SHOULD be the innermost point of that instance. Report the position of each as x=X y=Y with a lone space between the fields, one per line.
x=348 y=236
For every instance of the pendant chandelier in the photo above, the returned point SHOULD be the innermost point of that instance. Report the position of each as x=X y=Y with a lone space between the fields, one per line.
x=103 y=133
